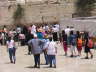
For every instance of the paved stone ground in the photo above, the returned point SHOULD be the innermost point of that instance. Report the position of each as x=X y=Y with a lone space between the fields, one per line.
x=25 y=62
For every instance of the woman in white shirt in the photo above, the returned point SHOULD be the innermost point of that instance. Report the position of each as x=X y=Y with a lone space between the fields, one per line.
x=11 y=49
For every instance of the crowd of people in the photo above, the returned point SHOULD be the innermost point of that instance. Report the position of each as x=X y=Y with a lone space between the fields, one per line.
x=44 y=39
x=76 y=39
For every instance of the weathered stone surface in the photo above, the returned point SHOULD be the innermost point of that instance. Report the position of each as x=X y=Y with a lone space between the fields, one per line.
x=41 y=11
x=34 y=11
x=81 y=25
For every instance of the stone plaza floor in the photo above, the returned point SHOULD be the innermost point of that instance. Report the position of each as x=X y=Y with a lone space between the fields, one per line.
x=25 y=62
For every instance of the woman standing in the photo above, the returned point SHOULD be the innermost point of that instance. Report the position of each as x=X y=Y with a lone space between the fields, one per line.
x=64 y=39
x=22 y=38
x=87 y=47
x=11 y=49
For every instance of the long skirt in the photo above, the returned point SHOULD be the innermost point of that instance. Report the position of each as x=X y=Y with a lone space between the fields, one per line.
x=55 y=36
x=65 y=46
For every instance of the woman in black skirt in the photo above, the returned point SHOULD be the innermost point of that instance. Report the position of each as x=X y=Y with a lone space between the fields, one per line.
x=55 y=33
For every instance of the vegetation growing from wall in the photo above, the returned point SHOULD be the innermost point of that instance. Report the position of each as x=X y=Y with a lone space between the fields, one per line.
x=18 y=15
x=84 y=8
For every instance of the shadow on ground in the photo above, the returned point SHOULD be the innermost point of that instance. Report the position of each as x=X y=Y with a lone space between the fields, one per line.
x=29 y=67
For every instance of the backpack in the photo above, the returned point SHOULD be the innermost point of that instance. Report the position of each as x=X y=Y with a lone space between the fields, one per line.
x=79 y=42
x=90 y=43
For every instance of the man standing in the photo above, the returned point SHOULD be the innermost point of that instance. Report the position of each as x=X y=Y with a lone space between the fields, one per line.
x=72 y=43
x=67 y=31
x=36 y=50
x=55 y=33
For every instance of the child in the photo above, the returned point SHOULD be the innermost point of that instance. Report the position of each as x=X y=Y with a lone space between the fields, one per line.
x=79 y=45
x=51 y=52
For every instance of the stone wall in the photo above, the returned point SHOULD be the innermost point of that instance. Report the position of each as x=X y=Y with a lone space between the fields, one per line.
x=37 y=11
x=78 y=24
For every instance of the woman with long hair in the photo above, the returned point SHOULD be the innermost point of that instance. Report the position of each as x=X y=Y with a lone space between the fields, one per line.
x=11 y=49
x=64 y=40
x=87 y=48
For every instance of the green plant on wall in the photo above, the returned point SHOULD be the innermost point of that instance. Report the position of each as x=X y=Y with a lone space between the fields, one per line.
x=18 y=14
x=85 y=7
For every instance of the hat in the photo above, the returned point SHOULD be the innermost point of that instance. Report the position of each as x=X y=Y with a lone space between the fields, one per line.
x=45 y=36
